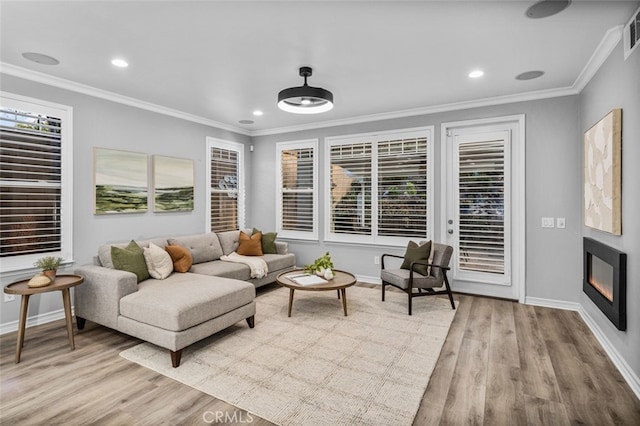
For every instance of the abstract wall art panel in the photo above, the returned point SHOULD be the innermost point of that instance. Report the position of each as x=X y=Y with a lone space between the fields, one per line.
x=602 y=174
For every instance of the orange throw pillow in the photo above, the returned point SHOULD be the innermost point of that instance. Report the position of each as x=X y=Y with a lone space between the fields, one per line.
x=181 y=257
x=250 y=245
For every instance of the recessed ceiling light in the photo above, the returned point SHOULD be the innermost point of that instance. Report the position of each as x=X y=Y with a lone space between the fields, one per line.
x=258 y=113
x=476 y=73
x=246 y=121
x=546 y=8
x=120 y=63
x=40 y=58
x=529 y=75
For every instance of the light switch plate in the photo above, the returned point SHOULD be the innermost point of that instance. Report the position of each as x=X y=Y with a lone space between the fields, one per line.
x=560 y=223
x=548 y=222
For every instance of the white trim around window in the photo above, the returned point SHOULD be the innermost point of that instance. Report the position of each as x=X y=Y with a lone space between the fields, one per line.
x=366 y=161
x=12 y=264
x=297 y=189
x=239 y=189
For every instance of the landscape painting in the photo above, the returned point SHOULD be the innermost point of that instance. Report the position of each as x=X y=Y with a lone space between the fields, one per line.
x=121 y=181
x=173 y=186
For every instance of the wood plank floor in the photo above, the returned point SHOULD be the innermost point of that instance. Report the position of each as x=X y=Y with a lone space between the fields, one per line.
x=502 y=364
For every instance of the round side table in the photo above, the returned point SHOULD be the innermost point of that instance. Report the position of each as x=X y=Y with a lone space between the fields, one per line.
x=62 y=283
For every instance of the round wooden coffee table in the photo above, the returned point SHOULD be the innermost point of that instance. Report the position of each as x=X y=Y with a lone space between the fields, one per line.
x=62 y=283
x=341 y=280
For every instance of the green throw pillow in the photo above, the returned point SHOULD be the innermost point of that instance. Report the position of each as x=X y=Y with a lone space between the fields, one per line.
x=417 y=253
x=268 y=241
x=131 y=259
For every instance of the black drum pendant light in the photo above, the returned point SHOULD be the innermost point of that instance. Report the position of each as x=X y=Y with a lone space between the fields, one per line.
x=305 y=99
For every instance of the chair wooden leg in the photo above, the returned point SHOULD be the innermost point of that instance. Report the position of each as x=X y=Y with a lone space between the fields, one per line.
x=383 y=291
x=446 y=283
x=251 y=321
x=410 y=299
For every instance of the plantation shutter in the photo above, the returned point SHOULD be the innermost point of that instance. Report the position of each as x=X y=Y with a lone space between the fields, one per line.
x=481 y=207
x=402 y=187
x=30 y=183
x=351 y=188
x=224 y=189
x=297 y=189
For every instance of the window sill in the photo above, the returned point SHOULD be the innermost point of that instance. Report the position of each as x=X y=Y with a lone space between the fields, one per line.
x=20 y=271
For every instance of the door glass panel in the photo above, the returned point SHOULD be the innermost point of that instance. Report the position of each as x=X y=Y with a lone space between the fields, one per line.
x=481 y=188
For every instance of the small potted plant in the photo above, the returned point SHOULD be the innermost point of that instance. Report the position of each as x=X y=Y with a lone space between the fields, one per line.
x=49 y=265
x=323 y=266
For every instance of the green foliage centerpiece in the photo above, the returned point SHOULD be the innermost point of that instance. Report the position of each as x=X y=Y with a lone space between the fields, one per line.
x=323 y=267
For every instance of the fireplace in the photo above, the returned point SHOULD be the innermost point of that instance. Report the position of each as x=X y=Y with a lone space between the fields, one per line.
x=605 y=280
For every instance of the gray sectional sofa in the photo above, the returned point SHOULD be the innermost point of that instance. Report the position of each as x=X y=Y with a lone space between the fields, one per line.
x=183 y=308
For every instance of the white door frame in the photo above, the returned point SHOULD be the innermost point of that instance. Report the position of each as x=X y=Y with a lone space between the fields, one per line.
x=518 y=227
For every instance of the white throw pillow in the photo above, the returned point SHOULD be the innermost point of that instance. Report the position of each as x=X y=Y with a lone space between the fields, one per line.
x=158 y=262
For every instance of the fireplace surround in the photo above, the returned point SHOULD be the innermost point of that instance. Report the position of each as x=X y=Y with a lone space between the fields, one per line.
x=605 y=280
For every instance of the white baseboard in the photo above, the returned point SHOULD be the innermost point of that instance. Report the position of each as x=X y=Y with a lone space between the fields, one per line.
x=623 y=367
x=39 y=319
x=369 y=280
x=552 y=303
x=629 y=375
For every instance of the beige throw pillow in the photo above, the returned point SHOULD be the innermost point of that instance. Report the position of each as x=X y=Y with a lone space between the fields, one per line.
x=158 y=262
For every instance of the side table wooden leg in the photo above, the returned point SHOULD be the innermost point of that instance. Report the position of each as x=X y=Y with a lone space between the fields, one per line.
x=24 y=307
x=290 y=300
x=66 y=299
x=344 y=300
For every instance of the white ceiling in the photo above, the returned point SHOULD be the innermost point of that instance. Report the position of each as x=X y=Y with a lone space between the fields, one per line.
x=222 y=60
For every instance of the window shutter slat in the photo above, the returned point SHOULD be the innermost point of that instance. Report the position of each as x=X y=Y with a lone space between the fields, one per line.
x=481 y=207
x=30 y=183
x=224 y=189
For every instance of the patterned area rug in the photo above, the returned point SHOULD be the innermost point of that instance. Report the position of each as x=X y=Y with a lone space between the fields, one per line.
x=318 y=367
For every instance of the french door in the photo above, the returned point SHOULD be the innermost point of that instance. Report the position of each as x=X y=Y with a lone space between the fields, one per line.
x=483 y=211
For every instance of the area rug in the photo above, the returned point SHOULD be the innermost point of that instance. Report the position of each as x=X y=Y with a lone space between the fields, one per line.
x=318 y=367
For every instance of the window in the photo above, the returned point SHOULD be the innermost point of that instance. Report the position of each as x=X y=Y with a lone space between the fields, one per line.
x=380 y=187
x=225 y=206
x=35 y=181
x=297 y=189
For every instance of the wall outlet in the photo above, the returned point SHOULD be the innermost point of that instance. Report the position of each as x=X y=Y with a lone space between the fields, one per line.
x=560 y=223
x=548 y=222
x=376 y=260
x=9 y=297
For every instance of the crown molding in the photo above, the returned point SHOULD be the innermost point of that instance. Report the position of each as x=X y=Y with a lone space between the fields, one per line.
x=73 y=86
x=498 y=100
x=602 y=52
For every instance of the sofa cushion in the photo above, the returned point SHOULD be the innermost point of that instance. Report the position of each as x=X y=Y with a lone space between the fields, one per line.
x=130 y=259
x=203 y=247
x=185 y=300
x=250 y=245
x=159 y=262
x=220 y=268
x=276 y=262
x=268 y=241
x=104 y=251
x=229 y=241
x=181 y=257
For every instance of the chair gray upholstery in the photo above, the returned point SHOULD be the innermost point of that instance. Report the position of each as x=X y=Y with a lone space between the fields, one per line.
x=409 y=280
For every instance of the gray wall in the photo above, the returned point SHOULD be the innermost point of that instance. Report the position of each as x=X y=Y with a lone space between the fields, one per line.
x=553 y=188
x=101 y=123
x=617 y=85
